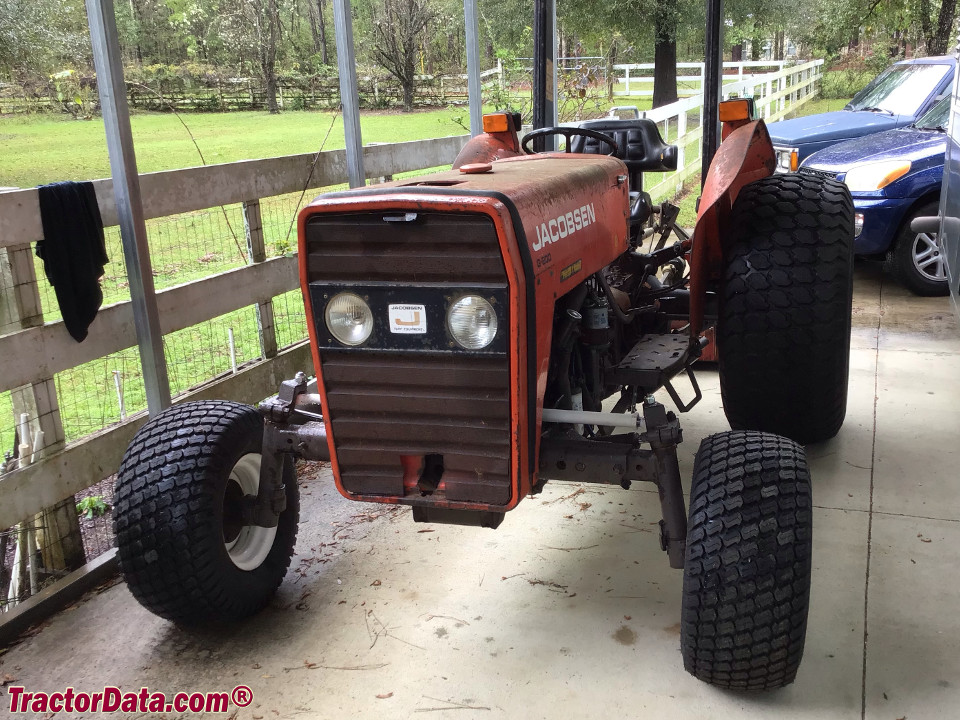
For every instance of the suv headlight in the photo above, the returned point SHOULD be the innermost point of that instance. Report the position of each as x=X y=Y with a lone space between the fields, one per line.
x=472 y=322
x=787 y=159
x=349 y=318
x=875 y=176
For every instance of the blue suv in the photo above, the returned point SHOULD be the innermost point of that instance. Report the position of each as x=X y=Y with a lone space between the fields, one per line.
x=895 y=98
x=895 y=177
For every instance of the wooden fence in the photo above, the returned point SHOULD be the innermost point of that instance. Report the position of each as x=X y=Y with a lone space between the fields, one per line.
x=34 y=351
x=307 y=93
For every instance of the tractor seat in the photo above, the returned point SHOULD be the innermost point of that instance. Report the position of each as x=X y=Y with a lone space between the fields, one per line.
x=640 y=146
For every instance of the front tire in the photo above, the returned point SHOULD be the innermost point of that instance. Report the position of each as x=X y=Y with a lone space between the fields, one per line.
x=746 y=577
x=783 y=333
x=184 y=551
x=917 y=259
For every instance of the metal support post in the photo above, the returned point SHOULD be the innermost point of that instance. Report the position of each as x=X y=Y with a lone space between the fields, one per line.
x=474 y=87
x=349 y=97
x=712 y=84
x=544 y=70
x=126 y=192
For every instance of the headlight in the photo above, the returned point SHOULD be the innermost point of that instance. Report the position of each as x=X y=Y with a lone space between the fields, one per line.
x=787 y=159
x=472 y=322
x=349 y=318
x=875 y=176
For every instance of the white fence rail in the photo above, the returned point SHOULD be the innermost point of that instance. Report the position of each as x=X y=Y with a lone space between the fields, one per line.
x=636 y=79
x=775 y=94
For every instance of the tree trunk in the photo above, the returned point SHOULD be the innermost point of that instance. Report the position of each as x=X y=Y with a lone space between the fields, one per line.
x=324 y=56
x=665 y=54
x=409 y=81
x=926 y=26
x=756 y=43
x=941 y=39
x=611 y=61
x=269 y=57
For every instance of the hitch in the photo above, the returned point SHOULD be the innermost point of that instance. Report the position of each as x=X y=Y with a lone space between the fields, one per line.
x=293 y=428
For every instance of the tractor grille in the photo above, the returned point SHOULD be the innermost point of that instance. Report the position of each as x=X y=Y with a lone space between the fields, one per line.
x=383 y=405
x=434 y=247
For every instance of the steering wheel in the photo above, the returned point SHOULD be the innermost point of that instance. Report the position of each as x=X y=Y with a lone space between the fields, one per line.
x=568 y=133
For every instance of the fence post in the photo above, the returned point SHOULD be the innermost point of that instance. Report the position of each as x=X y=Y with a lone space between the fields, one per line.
x=626 y=79
x=60 y=541
x=681 y=143
x=253 y=224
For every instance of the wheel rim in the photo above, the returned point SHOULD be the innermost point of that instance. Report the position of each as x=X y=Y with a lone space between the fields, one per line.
x=928 y=257
x=247 y=545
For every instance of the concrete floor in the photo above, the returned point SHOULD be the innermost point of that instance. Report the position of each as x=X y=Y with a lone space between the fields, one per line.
x=569 y=610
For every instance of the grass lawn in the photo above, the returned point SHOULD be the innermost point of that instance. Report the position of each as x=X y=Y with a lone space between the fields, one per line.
x=41 y=149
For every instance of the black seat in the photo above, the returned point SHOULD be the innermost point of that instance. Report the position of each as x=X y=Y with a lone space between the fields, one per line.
x=639 y=146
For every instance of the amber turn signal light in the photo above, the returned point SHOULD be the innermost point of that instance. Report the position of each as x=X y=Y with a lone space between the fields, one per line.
x=731 y=110
x=496 y=122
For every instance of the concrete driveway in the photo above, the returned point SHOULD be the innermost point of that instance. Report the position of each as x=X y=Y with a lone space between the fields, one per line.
x=569 y=610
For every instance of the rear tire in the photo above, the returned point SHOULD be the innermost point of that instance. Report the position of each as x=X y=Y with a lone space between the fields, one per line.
x=184 y=552
x=917 y=260
x=746 y=578
x=783 y=333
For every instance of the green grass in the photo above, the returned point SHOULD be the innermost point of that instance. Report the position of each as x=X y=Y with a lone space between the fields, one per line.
x=42 y=149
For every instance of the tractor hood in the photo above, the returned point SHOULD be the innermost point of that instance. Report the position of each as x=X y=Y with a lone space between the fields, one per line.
x=830 y=127
x=906 y=144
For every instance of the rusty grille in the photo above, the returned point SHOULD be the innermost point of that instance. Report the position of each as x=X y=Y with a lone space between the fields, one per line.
x=433 y=247
x=383 y=405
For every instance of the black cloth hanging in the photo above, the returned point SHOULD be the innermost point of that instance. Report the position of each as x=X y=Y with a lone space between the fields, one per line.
x=73 y=251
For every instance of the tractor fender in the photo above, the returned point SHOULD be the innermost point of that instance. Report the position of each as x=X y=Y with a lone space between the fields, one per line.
x=744 y=156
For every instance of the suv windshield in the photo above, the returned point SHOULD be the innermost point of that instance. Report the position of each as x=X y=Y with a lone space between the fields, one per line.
x=900 y=89
x=938 y=117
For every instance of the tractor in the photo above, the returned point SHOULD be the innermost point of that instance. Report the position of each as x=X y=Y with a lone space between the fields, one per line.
x=481 y=331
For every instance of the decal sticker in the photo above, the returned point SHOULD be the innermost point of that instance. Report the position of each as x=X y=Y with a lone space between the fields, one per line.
x=570 y=270
x=408 y=319
x=563 y=225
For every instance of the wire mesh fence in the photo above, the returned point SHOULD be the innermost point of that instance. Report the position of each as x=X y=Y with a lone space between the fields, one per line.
x=43 y=549
x=93 y=396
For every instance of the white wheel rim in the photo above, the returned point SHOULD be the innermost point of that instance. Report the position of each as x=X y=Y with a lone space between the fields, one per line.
x=928 y=257
x=252 y=544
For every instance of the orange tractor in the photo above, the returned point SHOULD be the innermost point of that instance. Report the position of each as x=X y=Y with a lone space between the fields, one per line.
x=481 y=331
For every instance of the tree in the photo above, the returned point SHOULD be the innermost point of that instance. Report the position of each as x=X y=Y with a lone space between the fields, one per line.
x=665 y=53
x=251 y=29
x=938 y=37
x=397 y=27
x=318 y=28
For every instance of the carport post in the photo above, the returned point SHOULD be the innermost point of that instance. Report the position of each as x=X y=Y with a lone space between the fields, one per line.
x=474 y=86
x=349 y=97
x=712 y=84
x=126 y=193
x=544 y=70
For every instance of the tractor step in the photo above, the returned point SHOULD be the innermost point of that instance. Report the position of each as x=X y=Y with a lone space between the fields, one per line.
x=654 y=361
